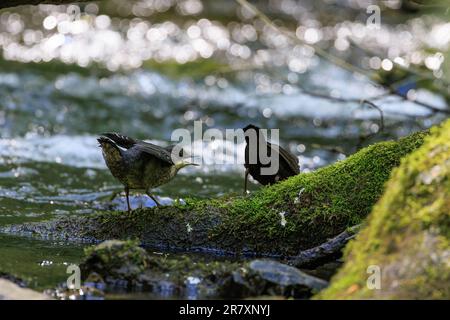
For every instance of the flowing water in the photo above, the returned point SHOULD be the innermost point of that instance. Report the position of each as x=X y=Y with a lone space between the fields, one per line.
x=50 y=116
x=51 y=165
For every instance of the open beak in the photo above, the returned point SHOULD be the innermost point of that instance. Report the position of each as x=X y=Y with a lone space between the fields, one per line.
x=185 y=164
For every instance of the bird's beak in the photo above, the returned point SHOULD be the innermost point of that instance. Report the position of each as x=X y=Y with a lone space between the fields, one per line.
x=185 y=164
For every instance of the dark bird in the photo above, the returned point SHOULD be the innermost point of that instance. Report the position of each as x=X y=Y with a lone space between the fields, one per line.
x=138 y=164
x=255 y=151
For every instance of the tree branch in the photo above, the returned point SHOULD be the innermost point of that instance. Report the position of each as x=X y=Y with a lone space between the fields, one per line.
x=328 y=56
x=15 y=3
x=326 y=251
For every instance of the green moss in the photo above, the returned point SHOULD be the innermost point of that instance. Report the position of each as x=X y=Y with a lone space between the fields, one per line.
x=315 y=206
x=407 y=234
x=116 y=259
x=125 y=263
x=331 y=199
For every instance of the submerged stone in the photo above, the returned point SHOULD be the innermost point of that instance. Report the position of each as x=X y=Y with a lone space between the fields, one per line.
x=125 y=264
x=114 y=261
x=263 y=277
x=285 y=275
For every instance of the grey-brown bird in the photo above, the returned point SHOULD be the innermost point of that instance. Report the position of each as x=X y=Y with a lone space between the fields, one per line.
x=138 y=164
x=287 y=162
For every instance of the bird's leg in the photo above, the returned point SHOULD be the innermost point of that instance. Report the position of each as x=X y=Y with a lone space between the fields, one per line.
x=245 y=181
x=127 y=193
x=153 y=198
x=114 y=195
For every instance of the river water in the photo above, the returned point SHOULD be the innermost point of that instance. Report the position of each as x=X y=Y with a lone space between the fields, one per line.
x=50 y=116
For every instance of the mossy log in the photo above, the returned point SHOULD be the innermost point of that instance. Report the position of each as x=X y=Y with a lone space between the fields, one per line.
x=279 y=220
x=407 y=236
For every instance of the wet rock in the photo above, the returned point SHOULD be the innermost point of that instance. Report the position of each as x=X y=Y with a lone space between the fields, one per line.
x=285 y=275
x=86 y=292
x=93 y=288
x=267 y=277
x=124 y=264
x=11 y=291
x=118 y=263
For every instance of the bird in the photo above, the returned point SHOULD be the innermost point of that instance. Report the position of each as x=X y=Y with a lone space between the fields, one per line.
x=288 y=163
x=138 y=164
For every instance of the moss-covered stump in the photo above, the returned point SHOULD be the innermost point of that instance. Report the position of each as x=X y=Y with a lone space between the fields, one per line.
x=124 y=265
x=282 y=219
x=407 y=234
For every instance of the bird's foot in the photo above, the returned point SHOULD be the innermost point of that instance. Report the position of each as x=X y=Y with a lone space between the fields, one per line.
x=114 y=195
x=154 y=200
x=157 y=203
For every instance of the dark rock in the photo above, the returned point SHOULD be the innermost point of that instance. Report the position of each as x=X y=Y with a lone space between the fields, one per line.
x=118 y=263
x=285 y=275
x=86 y=292
x=267 y=277
x=124 y=264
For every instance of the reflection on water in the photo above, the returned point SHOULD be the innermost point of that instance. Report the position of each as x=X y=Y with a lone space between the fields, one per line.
x=40 y=264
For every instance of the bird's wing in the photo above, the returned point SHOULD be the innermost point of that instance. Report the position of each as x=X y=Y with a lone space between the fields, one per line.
x=161 y=153
x=170 y=148
x=121 y=140
x=181 y=155
x=290 y=159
